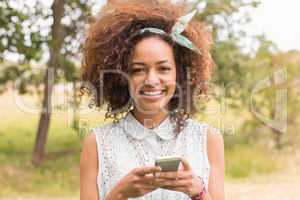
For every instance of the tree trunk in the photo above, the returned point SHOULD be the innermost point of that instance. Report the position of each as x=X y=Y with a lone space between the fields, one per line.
x=75 y=123
x=44 y=122
x=54 y=61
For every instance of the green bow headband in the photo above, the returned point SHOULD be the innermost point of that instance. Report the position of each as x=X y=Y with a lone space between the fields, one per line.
x=177 y=29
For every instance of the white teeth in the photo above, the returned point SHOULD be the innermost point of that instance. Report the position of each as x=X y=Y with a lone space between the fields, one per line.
x=152 y=93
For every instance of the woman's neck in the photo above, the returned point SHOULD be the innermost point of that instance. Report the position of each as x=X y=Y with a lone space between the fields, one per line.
x=149 y=120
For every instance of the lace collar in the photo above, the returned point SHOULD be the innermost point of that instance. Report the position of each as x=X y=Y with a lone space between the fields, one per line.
x=138 y=131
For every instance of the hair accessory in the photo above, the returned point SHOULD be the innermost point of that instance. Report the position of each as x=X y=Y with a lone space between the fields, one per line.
x=176 y=31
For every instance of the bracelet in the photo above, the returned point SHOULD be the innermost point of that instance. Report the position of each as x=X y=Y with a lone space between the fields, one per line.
x=201 y=195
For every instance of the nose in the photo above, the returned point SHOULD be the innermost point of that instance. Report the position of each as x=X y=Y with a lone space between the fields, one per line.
x=152 y=78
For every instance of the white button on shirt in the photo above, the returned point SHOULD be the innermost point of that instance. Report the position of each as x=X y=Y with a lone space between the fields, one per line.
x=127 y=144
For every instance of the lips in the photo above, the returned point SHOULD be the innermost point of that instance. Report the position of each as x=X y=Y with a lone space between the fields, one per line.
x=152 y=95
x=152 y=92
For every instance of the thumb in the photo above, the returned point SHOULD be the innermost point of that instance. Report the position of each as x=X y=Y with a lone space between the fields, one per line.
x=185 y=164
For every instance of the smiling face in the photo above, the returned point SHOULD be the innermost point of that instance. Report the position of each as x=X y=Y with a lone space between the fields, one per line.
x=152 y=75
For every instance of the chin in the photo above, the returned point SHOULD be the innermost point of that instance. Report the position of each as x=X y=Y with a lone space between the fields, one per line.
x=151 y=108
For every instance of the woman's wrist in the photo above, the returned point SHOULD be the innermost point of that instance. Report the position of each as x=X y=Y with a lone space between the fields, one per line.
x=115 y=194
x=202 y=192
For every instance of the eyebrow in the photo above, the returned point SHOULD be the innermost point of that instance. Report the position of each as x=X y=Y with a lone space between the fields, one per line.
x=141 y=63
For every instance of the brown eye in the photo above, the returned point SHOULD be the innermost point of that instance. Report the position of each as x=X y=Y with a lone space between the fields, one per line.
x=137 y=70
x=165 y=68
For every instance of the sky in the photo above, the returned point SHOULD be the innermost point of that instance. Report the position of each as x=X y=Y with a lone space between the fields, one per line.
x=279 y=20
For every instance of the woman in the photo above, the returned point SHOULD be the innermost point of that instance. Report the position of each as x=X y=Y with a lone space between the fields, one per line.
x=149 y=62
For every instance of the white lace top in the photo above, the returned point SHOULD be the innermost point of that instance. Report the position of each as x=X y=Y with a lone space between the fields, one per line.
x=128 y=144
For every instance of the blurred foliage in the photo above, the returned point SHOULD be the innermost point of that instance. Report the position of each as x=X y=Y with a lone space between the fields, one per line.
x=244 y=162
x=59 y=174
x=25 y=34
x=17 y=32
x=30 y=77
x=237 y=74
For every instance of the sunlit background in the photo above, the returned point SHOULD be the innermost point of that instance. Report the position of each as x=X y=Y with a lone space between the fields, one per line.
x=254 y=98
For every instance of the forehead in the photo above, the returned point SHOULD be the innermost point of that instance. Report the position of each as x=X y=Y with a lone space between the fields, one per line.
x=153 y=49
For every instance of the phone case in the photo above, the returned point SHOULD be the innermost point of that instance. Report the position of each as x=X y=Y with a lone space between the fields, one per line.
x=168 y=163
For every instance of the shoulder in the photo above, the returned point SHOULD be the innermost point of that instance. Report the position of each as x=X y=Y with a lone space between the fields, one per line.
x=212 y=135
x=214 y=138
x=89 y=140
x=109 y=133
x=90 y=145
x=89 y=150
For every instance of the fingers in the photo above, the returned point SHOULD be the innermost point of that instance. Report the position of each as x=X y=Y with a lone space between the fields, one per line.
x=149 y=178
x=172 y=183
x=148 y=186
x=144 y=176
x=174 y=175
x=141 y=171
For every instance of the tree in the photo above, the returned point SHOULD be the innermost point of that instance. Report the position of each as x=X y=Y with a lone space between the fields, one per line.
x=60 y=53
x=29 y=39
x=57 y=36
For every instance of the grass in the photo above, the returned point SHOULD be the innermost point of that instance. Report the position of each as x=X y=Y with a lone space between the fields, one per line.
x=246 y=161
x=58 y=176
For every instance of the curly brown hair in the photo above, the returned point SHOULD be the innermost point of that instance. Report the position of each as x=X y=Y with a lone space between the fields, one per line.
x=109 y=44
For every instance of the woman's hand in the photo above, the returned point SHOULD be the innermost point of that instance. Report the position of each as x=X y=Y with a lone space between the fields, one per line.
x=136 y=183
x=183 y=180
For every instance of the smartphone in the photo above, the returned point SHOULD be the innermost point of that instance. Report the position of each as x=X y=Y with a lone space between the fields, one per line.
x=168 y=163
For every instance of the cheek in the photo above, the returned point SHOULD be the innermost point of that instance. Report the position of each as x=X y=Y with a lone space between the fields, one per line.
x=134 y=85
x=172 y=83
x=172 y=88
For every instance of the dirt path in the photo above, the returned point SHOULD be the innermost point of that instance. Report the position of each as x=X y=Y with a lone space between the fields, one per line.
x=283 y=185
